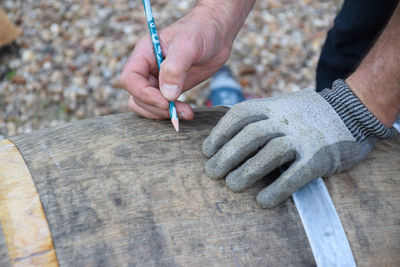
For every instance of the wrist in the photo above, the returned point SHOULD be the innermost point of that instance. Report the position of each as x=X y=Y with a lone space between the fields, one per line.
x=228 y=15
x=376 y=82
x=373 y=98
x=358 y=119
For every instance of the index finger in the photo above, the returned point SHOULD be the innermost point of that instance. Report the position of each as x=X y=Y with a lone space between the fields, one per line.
x=239 y=116
x=137 y=72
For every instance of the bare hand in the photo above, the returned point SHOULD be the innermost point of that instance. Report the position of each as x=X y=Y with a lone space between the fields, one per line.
x=194 y=48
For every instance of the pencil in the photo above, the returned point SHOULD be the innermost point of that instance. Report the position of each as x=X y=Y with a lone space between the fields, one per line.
x=159 y=57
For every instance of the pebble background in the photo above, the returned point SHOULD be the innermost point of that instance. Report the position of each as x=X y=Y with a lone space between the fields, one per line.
x=66 y=64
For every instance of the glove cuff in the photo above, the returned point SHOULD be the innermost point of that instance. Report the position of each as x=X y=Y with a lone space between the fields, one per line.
x=360 y=122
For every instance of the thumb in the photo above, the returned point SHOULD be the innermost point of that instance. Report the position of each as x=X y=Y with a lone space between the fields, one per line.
x=181 y=55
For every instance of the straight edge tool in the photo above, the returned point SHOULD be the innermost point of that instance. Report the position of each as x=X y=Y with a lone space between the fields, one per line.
x=324 y=230
x=322 y=224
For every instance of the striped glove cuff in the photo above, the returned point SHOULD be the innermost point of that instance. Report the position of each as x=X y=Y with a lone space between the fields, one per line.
x=361 y=123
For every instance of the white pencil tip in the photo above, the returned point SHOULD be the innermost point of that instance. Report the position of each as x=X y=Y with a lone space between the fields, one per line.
x=175 y=123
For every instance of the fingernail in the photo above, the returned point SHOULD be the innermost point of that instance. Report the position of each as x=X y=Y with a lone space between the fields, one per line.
x=170 y=91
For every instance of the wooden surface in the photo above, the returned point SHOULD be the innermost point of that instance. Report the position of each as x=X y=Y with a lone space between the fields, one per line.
x=367 y=199
x=122 y=190
x=4 y=258
x=24 y=225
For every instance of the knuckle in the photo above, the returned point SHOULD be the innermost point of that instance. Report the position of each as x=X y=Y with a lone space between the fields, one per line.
x=255 y=129
x=241 y=107
x=136 y=103
x=132 y=105
x=172 y=70
x=151 y=98
x=143 y=95
x=139 y=103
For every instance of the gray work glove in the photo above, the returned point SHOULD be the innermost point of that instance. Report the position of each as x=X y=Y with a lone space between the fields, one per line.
x=319 y=134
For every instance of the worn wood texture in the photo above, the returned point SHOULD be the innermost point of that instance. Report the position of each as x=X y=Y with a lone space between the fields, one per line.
x=4 y=258
x=24 y=224
x=367 y=199
x=122 y=190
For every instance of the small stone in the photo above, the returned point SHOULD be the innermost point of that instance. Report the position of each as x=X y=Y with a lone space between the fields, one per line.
x=27 y=55
x=18 y=79
x=55 y=29
x=183 y=5
x=128 y=29
x=244 y=82
x=11 y=129
x=70 y=53
x=78 y=80
x=80 y=113
x=45 y=35
x=47 y=65
x=30 y=100
x=56 y=76
x=107 y=73
x=102 y=94
x=15 y=63
x=246 y=70
x=94 y=81
x=55 y=87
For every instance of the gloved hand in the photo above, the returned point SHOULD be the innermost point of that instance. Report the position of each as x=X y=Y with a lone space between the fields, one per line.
x=320 y=134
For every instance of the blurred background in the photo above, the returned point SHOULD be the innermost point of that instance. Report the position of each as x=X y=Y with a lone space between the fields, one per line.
x=66 y=63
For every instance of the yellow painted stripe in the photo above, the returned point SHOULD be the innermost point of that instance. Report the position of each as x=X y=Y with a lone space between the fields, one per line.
x=22 y=218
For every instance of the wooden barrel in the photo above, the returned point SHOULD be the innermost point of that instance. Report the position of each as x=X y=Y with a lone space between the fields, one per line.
x=122 y=190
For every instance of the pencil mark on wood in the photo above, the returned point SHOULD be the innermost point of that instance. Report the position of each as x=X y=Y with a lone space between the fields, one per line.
x=219 y=203
x=33 y=255
x=51 y=155
x=235 y=256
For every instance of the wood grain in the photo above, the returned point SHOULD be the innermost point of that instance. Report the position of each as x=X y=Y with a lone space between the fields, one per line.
x=4 y=258
x=367 y=199
x=24 y=225
x=122 y=190
x=127 y=191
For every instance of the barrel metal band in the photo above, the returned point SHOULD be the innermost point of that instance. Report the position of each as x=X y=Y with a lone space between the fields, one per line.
x=22 y=218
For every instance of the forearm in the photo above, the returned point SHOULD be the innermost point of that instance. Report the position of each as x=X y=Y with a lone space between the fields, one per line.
x=230 y=14
x=376 y=82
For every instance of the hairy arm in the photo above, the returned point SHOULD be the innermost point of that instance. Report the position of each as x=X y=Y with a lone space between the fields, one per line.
x=376 y=82
x=230 y=14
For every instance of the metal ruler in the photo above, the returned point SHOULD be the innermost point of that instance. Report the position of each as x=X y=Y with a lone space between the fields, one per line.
x=324 y=230
x=322 y=224
x=396 y=125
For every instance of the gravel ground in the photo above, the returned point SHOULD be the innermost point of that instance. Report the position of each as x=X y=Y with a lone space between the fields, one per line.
x=66 y=64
